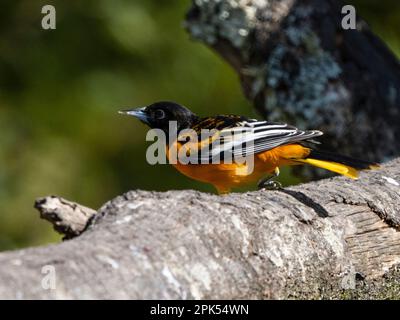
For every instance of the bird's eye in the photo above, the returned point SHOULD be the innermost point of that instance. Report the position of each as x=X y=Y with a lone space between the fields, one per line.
x=159 y=114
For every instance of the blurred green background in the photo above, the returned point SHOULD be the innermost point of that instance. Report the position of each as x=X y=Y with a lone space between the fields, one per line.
x=60 y=91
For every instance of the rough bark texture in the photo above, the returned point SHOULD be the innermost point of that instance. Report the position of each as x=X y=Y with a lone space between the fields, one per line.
x=334 y=238
x=68 y=218
x=297 y=64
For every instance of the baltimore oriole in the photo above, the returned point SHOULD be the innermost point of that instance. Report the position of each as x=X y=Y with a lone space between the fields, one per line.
x=271 y=144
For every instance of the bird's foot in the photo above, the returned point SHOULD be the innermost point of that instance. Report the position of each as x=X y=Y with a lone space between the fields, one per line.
x=269 y=185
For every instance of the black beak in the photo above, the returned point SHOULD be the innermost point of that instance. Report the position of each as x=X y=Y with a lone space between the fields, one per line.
x=139 y=113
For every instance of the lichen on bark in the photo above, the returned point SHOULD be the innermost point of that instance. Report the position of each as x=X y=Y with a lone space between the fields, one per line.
x=296 y=64
x=297 y=61
x=231 y=20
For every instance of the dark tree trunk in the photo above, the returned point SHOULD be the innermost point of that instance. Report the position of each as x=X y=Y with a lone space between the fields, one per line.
x=297 y=64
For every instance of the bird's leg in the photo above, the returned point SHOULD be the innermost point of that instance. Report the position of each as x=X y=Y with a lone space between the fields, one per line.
x=222 y=190
x=269 y=184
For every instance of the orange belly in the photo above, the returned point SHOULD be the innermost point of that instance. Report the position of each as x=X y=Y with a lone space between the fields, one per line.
x=225 y=176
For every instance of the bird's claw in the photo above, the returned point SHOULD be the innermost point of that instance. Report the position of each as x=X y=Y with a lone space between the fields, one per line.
x=270 y=185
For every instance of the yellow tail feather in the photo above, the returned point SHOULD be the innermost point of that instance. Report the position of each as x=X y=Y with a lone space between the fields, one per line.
x=332 y=166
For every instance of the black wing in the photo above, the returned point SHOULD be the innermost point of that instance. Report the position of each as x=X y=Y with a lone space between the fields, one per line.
x=242 y=137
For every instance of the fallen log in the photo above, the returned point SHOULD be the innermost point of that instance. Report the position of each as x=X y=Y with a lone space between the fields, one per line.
x=334 y=238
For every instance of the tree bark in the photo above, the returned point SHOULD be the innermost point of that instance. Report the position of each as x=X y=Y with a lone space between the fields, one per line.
x=335 y=238
x=296 y=63
x=68 y=218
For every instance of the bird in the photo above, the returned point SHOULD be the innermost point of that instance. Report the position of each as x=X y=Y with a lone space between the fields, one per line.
x=270 y=144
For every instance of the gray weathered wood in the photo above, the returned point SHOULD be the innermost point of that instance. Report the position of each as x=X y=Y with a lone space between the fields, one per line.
x=330 y=238
x=68 y=218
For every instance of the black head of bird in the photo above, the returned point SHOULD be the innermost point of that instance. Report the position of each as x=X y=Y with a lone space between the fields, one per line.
x=158 y=115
